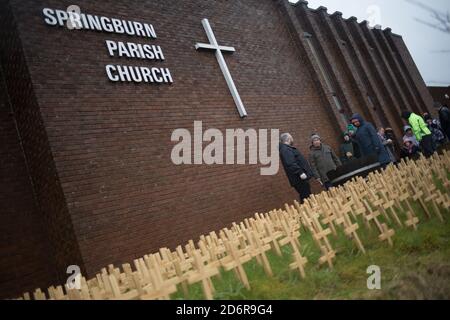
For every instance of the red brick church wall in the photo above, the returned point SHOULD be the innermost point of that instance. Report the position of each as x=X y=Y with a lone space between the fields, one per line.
x=25 y=260
x=37 y=226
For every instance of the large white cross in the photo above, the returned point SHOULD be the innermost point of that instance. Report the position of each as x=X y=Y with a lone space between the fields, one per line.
x=213 y=45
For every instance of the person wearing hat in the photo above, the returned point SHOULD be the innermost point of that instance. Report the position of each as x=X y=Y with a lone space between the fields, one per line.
x=409 y=149
x=323 y=160
x=409 y=135
x=369 y=141
x=351 y=130
x=421 y=131
x=349 y=149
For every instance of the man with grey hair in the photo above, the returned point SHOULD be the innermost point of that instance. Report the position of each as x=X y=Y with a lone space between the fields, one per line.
x=296 y=167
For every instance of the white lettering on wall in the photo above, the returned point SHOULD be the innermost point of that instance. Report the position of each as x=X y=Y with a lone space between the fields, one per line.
x=120 y=73
x=74 y=19
x=98 y=23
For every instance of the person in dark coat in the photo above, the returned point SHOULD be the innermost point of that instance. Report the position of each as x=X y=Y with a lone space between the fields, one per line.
x=437 y=133
x=350 y=146
x=389 y=133
x=444 y=118
x=347 y=149
x=387 y=143
x=296 y=167
x=368 y=140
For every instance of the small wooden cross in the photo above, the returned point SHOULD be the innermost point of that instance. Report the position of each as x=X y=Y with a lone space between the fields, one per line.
x=235 y=261
x=259 y=250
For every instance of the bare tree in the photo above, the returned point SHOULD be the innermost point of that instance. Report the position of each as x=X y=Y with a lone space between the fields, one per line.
x=439 y=20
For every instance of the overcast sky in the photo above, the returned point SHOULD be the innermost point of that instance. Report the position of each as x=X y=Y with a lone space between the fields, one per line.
x=429 y=47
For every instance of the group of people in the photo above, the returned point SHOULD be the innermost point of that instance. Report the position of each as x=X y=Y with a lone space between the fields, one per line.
x=423 y=134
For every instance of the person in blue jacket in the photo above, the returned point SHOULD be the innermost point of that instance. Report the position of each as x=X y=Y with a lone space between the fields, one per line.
x=369 y=141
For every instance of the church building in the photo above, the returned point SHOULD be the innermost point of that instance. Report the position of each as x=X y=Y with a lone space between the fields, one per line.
x=91 y=94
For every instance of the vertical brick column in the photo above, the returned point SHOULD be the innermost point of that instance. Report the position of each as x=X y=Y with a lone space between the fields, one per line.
x=354 y=75
x=384 y=66
x=51 y=203
x=372 y=61
x=411 y=71
x=325 y=54
x=298 y=35
x=26 y=259
x=384 y=105
x=397 y=70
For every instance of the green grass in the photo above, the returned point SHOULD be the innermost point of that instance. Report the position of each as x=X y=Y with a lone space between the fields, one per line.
x=414 y=257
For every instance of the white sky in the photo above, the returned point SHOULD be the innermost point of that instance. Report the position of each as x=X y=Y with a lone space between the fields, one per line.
x=425 y=43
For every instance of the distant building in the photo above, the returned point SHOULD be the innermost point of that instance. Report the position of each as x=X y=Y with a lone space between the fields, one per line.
x=440 y=94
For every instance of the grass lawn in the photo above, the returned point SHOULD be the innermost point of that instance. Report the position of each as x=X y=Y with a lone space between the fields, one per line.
x=417 y=267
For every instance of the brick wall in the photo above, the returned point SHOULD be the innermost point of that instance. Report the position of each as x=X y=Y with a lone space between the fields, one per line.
x=111 y=142
x=25 y=260
x=61 y=248
x=101 y=150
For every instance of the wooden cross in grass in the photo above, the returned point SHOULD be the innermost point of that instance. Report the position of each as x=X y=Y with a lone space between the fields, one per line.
x=272 y=236
x=327 y=256
x=203 y=273
x=385 y=234
x=291 y=237
x=259 y=250
x=235 y=261
x=417 y=196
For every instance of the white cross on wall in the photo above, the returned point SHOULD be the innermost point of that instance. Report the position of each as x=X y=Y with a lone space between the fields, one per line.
x=213 y=45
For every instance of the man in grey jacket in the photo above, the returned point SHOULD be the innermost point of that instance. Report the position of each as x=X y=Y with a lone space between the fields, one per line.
x=323 y=160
